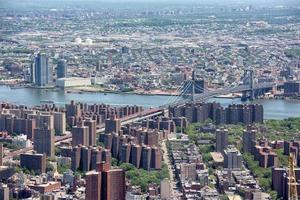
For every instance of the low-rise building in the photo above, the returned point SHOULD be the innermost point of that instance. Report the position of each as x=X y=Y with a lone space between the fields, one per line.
x=72 y=82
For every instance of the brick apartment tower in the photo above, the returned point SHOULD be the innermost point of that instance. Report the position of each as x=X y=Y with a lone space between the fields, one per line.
x=221 y=140
x=93 y=185
x=113 y=184
x=92 y=131
x=105 y=183
x=80 y=134
x=44 y=140
x=249 y=137
x=112 y=125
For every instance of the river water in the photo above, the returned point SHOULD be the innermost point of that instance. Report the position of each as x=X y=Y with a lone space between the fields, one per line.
x=273 y=109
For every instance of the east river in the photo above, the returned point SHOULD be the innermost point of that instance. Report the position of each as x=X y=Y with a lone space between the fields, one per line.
x=273 y=109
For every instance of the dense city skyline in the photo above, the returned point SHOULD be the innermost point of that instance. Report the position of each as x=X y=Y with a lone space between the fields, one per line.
x=150 y=99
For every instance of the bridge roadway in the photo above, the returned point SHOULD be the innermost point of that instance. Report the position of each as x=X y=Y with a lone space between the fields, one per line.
x=58 y=140
x=223 y=91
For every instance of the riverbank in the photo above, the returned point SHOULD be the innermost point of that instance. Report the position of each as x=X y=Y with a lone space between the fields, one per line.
x=273 y=109
x=96 y=89
x=153 y=92
x=81 y=91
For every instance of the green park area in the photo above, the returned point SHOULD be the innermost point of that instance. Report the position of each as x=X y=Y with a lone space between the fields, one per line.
x=143 y=178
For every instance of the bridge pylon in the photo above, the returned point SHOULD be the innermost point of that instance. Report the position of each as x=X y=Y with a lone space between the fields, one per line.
x=250 y=74
x=251 y=82
x=193 y=87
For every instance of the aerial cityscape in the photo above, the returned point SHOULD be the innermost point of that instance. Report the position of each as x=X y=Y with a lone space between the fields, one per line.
x=150 y=99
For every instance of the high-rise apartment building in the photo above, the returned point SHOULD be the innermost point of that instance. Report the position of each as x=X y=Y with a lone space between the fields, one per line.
x=146 y=158
x=221 y=139
x=156 y=158
x=114 y=187
x=92 y=131
x=136 y=154
x=105 y=184
x=93 y=185
x=73 y=109
x=41 y=71
x=249 y=137
x=112 y=125
x=80 y=134
x=42 y=118
x=44 y=138
x=61 y=69
x=232 y=158
x=59 y=122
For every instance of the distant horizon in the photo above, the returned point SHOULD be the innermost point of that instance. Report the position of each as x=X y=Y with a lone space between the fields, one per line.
x=217 y=2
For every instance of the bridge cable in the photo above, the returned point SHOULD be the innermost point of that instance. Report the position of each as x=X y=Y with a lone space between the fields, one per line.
x=170 y=98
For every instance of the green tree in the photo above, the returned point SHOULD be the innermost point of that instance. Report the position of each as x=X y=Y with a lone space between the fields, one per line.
x=49 y=167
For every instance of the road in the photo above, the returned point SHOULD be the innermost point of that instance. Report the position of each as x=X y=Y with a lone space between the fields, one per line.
x=174 y=193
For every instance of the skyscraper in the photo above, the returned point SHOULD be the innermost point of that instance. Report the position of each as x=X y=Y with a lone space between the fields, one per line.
x=124 y=155
x=249 y=137
x=96 y=157
x=146 y=158
x=221 y=139
x=156 y=158
x=85 y=158
x=113 y=184
x=112 y=125
x=92 y=131
x=93 y=186
x=44 y=140
x=61 y=69
x=105 y=184
x=42 y=118
x=80 y=134
x=59 y=119
x=41 y=72
x=136 y=154
x=75 y=158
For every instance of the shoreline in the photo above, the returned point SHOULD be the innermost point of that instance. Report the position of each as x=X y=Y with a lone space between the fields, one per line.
x=87 y=90
x=91 y=90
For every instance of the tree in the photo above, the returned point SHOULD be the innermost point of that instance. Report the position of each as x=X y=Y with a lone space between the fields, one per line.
x=273 y=195
x=206 y=157
x=114 y=162
x=63 y=168
x=49 y=167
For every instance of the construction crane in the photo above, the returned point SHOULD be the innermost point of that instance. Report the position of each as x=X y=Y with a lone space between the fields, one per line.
x=293 y=194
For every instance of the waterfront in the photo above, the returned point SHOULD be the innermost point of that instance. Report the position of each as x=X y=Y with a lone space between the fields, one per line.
x=274 y=109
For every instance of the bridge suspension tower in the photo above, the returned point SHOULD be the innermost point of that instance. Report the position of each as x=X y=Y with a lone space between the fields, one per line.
x=249 y=80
